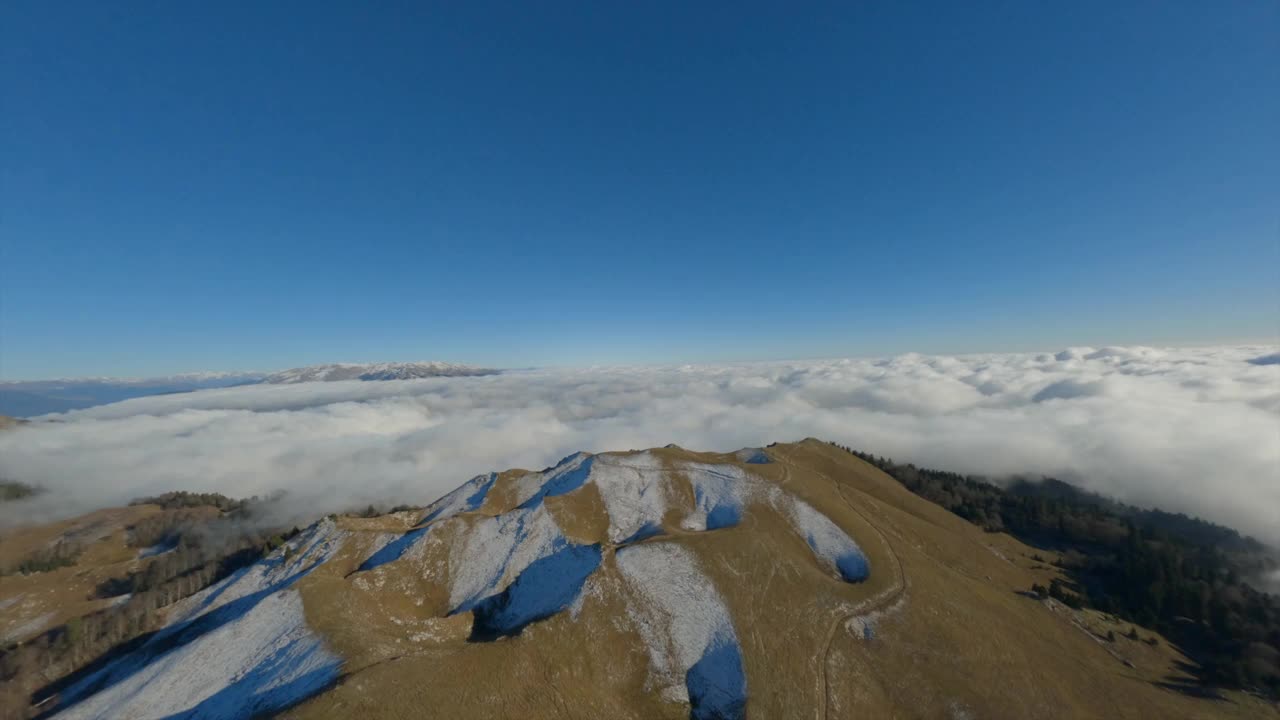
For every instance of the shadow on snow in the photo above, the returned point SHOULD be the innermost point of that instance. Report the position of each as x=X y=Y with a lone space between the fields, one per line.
x=545 y=588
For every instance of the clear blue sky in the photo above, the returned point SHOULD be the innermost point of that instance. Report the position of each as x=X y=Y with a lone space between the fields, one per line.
x=259 y=185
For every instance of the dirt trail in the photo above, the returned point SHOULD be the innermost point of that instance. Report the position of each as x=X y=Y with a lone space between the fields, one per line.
x=880 y=601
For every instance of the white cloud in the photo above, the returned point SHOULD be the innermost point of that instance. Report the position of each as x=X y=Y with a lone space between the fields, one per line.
x=1194 y=430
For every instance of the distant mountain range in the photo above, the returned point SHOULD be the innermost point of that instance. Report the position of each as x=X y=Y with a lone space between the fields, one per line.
x=374 y=371
x=41 y=397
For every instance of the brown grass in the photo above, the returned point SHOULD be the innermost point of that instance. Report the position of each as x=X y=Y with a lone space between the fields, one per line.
x=33 y=603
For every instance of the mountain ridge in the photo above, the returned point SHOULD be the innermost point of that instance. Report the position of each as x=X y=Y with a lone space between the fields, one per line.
x=32 y=398
x=662 y=583
x=332 y=372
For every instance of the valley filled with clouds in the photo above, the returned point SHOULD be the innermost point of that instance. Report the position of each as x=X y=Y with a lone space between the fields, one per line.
x=1195 y=430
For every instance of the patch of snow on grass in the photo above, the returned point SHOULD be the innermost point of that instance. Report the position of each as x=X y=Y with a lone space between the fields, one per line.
x=308 y=549
x=753 y=456
x=490 y=554
x=693 y=649
x=157 y=549
x=467 y=497
x=633 y=488
x=264 y=661
x=547 y=586
x=720 y=492
x=568 y=475
x=864 y=626
x=392 y=550
x=527 y=487
x=594 y=587
x=829 y=542
x=27 y=629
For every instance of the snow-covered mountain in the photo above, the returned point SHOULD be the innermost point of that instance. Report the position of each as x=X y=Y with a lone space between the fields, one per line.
x=32 y=398
x=209 y=377
x=374 y=371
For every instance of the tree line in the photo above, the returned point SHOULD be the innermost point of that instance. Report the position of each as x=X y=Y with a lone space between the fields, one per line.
x=183 y=499
x=63 y=553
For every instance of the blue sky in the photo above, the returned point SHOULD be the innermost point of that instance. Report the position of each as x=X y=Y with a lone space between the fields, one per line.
x=240 y=187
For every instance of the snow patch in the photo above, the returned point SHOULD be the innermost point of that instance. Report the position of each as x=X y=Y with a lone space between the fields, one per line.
x=467 y=497
x=157 y=549
x=547 y=586
x=28 y=628
x=238 y=648
x=829 y=542
x=720 y=492
x=693 y=649
x=493 y=551
x=753 y=456
x=263 y=661
x=394 y=549
x=568 y=475
x=864 y=626
x=633 y=488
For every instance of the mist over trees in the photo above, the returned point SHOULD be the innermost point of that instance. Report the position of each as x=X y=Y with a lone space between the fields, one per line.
x=14 y=490
x=184 y=499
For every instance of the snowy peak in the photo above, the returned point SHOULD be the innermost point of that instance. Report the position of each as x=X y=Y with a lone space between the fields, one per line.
x=194 y=378
x=374 y=371
x=32 y=398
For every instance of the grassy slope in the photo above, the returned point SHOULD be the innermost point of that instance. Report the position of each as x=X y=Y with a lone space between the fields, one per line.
x=30 y=604
x=966 y=641
x=33 y=603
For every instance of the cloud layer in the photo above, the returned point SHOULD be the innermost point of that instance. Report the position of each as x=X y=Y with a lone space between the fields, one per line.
x=1193 y=430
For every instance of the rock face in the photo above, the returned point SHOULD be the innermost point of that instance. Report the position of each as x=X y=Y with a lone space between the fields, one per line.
x=792 y=581
x=374 y=371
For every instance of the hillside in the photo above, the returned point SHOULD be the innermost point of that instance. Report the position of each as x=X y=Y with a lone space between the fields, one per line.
x=792 y=581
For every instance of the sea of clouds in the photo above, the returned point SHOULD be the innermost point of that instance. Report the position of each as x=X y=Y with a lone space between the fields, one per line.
x=1195 y=430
